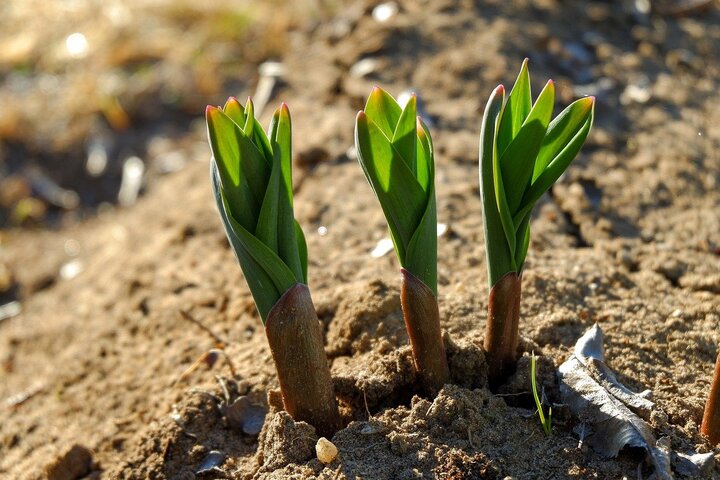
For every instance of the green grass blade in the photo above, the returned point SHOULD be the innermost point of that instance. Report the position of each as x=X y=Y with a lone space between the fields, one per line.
x=516 y=110
x=547 y=427
x=563 y=128
x=404 y=137
x=499 y=257
x=235 y=111
x=518 y=161
x=553 y=171
x=382 y=109
x=401 y=198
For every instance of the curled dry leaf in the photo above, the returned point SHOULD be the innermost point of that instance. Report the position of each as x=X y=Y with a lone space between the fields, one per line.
x=614 y=412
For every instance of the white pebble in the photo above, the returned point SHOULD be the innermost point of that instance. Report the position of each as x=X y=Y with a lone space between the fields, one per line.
x=326 y=450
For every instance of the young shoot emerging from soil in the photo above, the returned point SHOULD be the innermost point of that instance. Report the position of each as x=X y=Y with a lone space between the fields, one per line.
x=252 y=183
x=711 y=419
x=522 y=153
x=396 y=153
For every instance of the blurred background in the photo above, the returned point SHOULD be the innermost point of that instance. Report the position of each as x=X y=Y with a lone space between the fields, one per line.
x=99 y=99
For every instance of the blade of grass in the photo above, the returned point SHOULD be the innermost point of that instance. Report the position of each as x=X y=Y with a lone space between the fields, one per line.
x=546 y=425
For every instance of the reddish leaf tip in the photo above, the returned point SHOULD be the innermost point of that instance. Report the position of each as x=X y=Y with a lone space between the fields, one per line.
x=499 y=90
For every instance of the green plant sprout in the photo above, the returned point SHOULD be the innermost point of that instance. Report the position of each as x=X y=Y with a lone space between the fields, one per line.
x=396 y=153
x=711 y=417
x=522 y=154
x=545 y=422
x=252 y=183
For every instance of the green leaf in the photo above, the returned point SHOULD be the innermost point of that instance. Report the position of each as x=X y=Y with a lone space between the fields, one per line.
x=522 y=241
x=235 y=111
x=561 y=130
x=281 y=276
x=421 y=258
x=382 y=109
x=288 y=242
x=503 y=208
x=499 y=257
x=261 y=286
x=255 y=132
x=404 y=137
x=556 y=168
x=425 y=157
x=516 y=110
x=518 y=161
x=268 y=220
x=242 y=171
x=302 y=251
x=401 y=198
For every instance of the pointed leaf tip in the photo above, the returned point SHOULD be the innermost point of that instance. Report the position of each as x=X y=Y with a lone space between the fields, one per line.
x=499 y=90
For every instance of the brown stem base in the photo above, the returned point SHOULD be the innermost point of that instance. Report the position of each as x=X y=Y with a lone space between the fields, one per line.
x=296 y=343
x=502 y=333
x=422 y=322
x=711 y=420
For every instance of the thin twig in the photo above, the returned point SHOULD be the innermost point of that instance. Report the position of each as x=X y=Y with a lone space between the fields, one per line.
x=187 y=316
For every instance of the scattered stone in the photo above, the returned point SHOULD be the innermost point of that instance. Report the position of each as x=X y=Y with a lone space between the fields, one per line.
x=326 y=450
x=245 y=416
x=211 y=463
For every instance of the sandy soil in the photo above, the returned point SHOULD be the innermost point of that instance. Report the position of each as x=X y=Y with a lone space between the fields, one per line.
x=629 y=238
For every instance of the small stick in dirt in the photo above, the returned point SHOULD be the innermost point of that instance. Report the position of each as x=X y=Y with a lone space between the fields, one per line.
x=396 y=153
x=220 y=343
x=522 y=154
x=711 y=419
x=208 y=358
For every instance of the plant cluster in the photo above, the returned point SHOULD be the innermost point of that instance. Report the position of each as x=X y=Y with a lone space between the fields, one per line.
x=522 y=153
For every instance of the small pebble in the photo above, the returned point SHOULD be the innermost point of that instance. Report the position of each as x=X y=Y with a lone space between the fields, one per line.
x=326 y=450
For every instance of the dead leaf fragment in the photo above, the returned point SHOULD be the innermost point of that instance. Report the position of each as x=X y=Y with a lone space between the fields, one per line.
x=613 y=411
